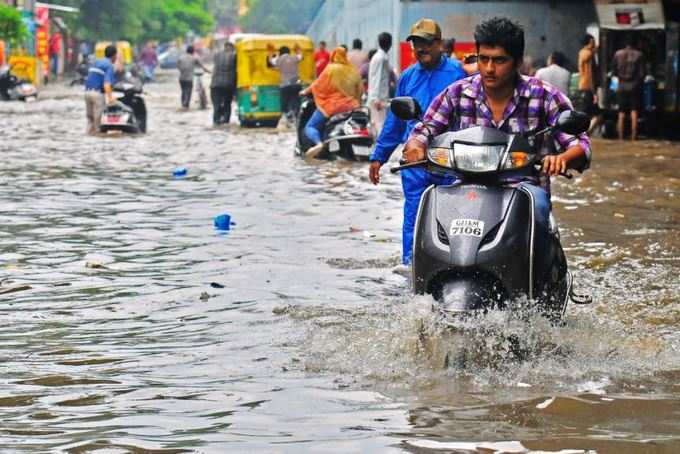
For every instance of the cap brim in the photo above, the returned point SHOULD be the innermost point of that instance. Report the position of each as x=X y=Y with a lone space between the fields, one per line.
x=425 y=36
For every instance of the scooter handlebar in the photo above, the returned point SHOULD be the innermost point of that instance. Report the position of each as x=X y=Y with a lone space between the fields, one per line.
x=407 y=165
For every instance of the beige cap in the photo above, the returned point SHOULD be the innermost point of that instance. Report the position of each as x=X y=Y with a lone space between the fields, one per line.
x=426 y=29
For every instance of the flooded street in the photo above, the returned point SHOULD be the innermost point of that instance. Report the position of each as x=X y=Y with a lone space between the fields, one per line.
x=135 y=326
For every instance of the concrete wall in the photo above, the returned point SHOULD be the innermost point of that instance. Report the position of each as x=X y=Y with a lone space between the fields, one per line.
x=341 y=21
x=549 y=24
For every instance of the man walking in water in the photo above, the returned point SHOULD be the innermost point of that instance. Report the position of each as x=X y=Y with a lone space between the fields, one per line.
x=630 y=69
x=424 y=80
x=187 y=64
x=379 y=81
x=223 y=84
x=288 y=66
x=98 y=85
x=585 y=100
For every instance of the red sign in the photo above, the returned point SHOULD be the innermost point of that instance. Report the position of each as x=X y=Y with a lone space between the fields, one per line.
x=407 y=57
x=42 y=18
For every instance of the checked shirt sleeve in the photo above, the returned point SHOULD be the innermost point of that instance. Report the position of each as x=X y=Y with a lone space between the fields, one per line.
x=557 y=103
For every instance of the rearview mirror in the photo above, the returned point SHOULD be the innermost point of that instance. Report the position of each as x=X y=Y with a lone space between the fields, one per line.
x=573 y=122
x=406 y=108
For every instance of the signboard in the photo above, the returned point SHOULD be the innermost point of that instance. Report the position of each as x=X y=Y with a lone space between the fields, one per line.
x=25 y=67
x=42 y=18
x=630 y=14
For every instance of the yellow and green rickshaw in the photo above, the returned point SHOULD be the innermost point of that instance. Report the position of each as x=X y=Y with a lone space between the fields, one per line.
x=123 y=47
x=258 y=93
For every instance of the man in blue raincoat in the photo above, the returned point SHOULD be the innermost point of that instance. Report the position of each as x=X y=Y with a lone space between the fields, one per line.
x=424 y=80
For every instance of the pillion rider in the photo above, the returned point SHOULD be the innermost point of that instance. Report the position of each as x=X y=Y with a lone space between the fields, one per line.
x=501 y=98
x=432 y=73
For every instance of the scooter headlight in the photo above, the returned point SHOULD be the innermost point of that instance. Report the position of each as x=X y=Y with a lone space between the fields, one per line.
x=477 y=158
x=440 y=156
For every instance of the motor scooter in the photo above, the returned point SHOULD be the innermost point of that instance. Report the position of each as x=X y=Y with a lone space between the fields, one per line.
x=478 y=244
x=129 y=113
x=348 y=135
x=14 y=89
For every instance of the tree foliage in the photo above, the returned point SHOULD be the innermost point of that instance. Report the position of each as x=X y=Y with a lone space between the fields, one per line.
x=12 y=27
x=280 y=16
x=138 y=21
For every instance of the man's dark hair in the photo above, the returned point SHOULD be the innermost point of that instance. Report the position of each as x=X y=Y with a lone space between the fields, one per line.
x=228 y=45
x=284 y=50
x=357 y=44
x=587 y=38
x=344 y=46
x=449 y=45
x=501 y=32
x=322 y=43
x=371 y=53
x=559 y=59
x=385 y=41
x=110 y=51
x=190 y=49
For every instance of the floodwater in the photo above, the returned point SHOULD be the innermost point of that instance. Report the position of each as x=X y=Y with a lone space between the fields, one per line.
x=131 y=325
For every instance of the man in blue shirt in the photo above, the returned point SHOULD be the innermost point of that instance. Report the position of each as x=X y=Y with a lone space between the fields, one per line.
x=423 y=81
x=98 y=84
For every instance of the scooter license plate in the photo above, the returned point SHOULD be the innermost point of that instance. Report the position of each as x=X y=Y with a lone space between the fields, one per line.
x=361 y=150
x=466 y=227
x=113 y=119
x=333 y=146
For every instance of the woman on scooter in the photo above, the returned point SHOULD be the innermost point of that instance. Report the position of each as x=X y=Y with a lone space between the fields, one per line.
x=338 y=89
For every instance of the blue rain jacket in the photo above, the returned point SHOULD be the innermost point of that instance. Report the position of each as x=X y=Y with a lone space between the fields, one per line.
x=423 y=85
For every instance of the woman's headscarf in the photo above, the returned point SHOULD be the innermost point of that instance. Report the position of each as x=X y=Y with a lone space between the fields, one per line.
x=339 y=87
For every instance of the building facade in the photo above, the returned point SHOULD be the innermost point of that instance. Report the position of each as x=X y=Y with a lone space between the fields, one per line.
x=550 y=25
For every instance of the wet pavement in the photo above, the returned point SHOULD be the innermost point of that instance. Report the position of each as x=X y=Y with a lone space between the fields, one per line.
x=132 y=325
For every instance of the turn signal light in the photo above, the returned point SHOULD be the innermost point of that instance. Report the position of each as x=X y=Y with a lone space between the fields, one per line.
x=519 y=159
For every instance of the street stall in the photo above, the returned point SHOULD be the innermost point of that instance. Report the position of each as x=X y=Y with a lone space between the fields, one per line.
x=655 y=31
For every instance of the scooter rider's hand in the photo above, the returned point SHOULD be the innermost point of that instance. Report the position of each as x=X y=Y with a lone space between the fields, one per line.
x=414 y=151
x=557 y=164
x=554 y=164
x=374 y=172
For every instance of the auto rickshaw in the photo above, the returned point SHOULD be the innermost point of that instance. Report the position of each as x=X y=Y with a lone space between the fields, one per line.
x=258 y=93
x=123 y=48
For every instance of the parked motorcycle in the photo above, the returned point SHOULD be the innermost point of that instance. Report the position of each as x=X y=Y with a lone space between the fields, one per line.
x=14 y=89
x=129 y=113
x=348 y=134
x=476 y=244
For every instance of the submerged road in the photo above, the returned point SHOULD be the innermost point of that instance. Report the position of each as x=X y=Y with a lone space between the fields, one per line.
x=135 y=326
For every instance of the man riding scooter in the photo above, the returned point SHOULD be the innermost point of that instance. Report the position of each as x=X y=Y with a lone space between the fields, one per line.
x=432 y=73
x=499 y=97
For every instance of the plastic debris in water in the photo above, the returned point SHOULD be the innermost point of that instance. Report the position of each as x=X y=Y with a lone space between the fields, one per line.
x=180 y=172
x=222 y=222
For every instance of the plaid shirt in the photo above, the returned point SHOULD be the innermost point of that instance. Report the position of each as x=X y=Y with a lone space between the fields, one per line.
x=534 y=106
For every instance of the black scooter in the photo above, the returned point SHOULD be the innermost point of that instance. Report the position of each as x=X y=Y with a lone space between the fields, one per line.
x=129 y=113
x=475 y=246
x=14 y=89
x=347 y=135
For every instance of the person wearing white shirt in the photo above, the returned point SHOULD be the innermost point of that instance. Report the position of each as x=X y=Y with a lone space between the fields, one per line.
x=379 y=82
x=554 y=73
